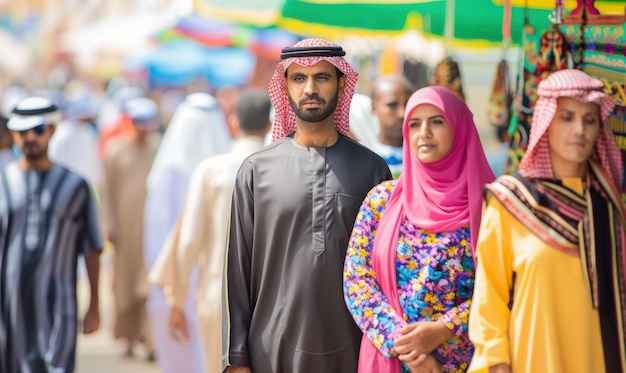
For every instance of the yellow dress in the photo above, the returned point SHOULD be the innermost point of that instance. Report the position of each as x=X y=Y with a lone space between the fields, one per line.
x=552 y=326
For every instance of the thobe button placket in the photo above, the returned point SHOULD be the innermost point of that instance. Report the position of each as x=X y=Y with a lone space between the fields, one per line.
x=318 y=189
x=33 y=213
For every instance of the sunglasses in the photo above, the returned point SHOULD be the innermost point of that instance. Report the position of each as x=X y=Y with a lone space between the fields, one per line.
x=39 y=130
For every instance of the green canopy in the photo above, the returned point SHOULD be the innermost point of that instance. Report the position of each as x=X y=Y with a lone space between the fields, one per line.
x=476 y=23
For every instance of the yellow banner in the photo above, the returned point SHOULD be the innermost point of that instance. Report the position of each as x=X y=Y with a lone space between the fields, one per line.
x=259 y=18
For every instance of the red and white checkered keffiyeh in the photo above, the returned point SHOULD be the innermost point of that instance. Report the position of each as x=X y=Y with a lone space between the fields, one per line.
x=285 y=118
x=578 y=85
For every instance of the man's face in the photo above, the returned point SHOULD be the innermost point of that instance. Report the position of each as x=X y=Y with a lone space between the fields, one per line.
x=572 y=133
x=144 y=127
x=33 y=142
x=388 y=105
x=314 y=90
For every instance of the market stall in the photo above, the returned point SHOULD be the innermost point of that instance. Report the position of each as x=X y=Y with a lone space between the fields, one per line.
x=580 y=38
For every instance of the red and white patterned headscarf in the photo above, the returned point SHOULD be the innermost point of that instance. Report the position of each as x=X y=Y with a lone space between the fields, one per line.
x=578 y=85
x=285 y=118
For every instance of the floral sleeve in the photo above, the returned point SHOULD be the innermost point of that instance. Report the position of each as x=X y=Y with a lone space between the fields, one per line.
x=364 y=298
x=456 y=318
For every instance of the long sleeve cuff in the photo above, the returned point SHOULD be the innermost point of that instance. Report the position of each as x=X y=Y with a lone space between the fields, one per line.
x=238 y=359
x=456 y=320
x=489 y=354
x=173 y=298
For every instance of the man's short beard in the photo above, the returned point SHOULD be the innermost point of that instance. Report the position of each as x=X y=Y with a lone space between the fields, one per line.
x=317 y=115
x=34 y=154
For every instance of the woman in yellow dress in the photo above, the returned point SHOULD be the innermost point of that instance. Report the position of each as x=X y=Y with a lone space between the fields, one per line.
x=550 y=293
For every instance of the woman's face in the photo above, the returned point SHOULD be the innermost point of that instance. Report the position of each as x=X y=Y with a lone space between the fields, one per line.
x=573 y=132
x=430 y=134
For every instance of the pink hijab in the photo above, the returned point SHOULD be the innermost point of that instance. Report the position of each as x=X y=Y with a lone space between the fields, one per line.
x=438 y=196
x=284 y=116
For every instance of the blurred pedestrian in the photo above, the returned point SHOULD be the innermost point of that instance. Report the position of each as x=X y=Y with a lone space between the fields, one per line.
x=293 y=207
x=10 y=97
x=7 y=154
x=74 y=144
x=197 y=130
x=389 y=97
x=202 y=228
x=113 y=122
x=49 y=219
x=409 y=269
x=127 y=162
x=550 y=287
x=111 y=106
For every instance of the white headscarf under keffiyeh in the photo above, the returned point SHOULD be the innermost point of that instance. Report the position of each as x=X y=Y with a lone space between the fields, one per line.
x=285 y=118
x=536 y=163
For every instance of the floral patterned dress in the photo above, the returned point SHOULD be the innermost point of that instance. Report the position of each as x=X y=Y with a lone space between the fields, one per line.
x=435 y=274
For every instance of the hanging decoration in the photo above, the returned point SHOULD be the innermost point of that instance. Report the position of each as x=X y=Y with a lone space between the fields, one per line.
x=499 y=107
x=448 y=74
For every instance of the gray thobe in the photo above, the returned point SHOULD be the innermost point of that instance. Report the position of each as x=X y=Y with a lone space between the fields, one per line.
x=47 y=219
x=292 y=215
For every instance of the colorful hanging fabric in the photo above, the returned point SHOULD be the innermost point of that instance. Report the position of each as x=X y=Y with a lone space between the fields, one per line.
x=448 y=74
x=498 y=110
x=552 y=52
x=499 y=107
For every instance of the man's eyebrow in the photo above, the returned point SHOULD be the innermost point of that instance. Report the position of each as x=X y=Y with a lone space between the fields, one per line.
x=298 y=74
x=572 y=111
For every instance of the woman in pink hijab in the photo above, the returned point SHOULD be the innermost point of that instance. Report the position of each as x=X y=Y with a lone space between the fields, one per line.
x=550 y=292
x=409 y=268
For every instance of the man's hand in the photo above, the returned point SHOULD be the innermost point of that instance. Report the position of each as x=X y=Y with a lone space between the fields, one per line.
x=112 y=238
x=178 y=325
x=422 y=337
x=422 y=364
x=234 y=369
x=91 y=322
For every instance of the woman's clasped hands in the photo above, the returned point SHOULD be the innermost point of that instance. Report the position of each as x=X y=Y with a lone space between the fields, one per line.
x=416 y=343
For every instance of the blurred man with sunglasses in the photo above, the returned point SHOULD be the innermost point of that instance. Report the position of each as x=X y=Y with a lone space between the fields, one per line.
x=48 y=218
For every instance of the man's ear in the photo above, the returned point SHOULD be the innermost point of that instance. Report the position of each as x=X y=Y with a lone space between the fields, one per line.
x=342 y=85
x=268 y=128
x=233 y=125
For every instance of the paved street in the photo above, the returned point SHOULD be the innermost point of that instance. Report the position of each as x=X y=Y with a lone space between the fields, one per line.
x=99 y=352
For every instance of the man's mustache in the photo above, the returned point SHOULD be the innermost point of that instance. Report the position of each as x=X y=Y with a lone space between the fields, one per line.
x=312 y=97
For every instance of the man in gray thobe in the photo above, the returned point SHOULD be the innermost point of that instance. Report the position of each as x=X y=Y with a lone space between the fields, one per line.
x=294 y=205
x=48 y=217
